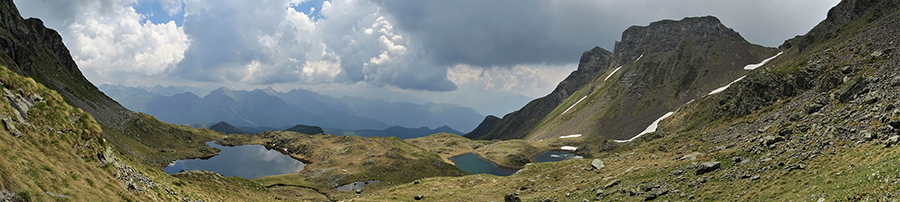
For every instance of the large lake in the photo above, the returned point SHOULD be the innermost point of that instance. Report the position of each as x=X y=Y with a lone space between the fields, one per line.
x=247 y=161
x=473 y=164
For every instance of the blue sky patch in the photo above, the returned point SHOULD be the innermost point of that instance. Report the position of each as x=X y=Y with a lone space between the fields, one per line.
x=153 y=11
x=305 y=7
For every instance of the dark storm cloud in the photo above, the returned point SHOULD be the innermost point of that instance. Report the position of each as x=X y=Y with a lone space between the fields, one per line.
x=509 y=32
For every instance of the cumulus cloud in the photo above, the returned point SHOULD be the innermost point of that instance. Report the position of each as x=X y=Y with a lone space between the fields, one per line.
x=506 y=45
x=112 y=39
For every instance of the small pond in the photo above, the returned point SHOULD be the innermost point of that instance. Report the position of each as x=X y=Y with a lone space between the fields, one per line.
x=473 y=164
x=356 y=185
x=554 y=156
x=247 y=161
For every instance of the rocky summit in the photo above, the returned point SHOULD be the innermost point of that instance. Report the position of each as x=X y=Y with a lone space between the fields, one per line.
x=653 y=70
x=681 y=110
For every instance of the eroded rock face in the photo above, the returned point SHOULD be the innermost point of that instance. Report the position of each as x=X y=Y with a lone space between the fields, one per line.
x=6 y=195
x=708 y=167
x=22 y=103
x=516 y=124
x=663 y=65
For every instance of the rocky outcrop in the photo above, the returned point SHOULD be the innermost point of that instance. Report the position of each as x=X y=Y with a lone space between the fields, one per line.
x=653 y=70
x=841 y=17
x=517 y=124
x=38 y=52
x=708 y=167
x=8 y=196
x=32 y=50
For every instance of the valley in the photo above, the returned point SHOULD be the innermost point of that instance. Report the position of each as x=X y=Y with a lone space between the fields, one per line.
x=679 y=110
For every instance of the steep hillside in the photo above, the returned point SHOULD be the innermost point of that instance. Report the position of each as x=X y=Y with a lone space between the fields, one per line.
x=32 y=50
x=674 y=62
x=820 y=122
x=51 y=150
x=654 y=69
x=518 y=123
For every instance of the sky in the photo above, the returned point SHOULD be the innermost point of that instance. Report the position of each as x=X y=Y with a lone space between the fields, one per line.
x=493 y=56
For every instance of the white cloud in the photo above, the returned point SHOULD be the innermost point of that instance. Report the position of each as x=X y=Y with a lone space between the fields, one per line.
x=107 y=38
x=530 y=80
x=122 y=43
x=519 y=47
x=172 y=6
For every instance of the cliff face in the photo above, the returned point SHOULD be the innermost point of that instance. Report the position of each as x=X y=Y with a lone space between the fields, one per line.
x=654 y=69
x=516 y=124
x=30 y=49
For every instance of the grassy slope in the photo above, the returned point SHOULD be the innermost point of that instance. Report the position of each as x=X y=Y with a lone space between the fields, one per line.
x=842 y=170
x=42 y=160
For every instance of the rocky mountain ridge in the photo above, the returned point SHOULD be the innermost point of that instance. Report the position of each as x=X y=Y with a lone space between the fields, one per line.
x=653 y=70
x=241 y=108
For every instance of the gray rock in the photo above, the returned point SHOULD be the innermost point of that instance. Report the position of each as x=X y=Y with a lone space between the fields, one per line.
x=692 y=156
x=611 y=184
x=868 y=136
x=737 y=159
x=6 y=195
x=891 y=141
x=511 y=198
x=10 y=126
x=798 y=166
x=597 y=164
x=769 y=140
x=676 y=172
x=876 y=54
x=708 y=167
x=812 y=108
x=753 y=178
x=894 y=124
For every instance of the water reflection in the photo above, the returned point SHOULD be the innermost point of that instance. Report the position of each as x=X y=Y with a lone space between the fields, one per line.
x=554 y=156
x=473 y=164
x=247 y=161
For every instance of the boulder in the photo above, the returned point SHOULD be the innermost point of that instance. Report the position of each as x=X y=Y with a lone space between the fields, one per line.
x=798 y=166
x=769 y=140
x=597 y=164
x=611 y=184
x=707 y=167
x=692 y=156
x=419 y=197
x=6 y=195
x=891 y=141
x=511 y=198
x=868 y=136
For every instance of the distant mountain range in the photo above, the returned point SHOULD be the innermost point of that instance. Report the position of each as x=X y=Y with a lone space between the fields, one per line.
x=268 y=109
x=395 y=131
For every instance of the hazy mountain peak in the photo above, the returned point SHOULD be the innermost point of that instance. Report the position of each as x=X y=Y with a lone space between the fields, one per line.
x=271 y=91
